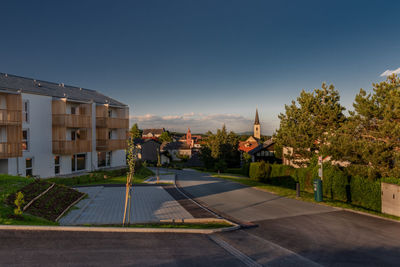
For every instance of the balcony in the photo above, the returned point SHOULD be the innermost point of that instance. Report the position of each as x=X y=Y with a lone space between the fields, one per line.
x=10 y=150
x=71 y=147
x=110 y=145
x=72 y=120
x=10 y=117
x=112 y=123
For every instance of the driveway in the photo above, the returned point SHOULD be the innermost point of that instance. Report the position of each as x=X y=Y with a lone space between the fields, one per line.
x=105 y=205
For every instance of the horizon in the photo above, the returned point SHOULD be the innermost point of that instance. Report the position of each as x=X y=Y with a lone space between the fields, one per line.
x=200 y=65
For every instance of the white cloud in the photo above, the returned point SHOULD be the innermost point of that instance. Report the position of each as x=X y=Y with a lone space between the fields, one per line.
x=197 y=122
x=390 y=72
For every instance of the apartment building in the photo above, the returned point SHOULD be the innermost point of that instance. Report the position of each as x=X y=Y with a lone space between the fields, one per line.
x=49 y=129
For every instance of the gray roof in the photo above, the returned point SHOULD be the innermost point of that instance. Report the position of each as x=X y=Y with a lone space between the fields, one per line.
x=174 y=146
x=27 y=85
x=262 y=146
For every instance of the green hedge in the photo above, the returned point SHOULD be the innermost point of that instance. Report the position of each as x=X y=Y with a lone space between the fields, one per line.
x=260 y=171
x=365 y=193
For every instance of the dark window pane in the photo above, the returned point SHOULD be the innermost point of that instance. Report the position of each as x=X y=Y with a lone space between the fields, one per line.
x=25 y=135
x=57 y=169
x=28 y=163
x=73 y=163
x=101 y=159
x=57 y=160
x=81 y=162
x=28 y=172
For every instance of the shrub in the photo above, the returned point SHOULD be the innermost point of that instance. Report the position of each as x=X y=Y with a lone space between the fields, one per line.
x=19 y=202
x=366 y=193
x=257 y=171
x=268 y=170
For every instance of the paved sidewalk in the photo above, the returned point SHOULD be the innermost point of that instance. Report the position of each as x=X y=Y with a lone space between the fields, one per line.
x=105 y=205
x=164 y=178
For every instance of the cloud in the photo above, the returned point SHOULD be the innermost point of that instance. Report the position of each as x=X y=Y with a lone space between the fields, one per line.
x=197 y=122
x=390 y=72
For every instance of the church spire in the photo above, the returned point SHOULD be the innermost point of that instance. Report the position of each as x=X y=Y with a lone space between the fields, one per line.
x=256 y=121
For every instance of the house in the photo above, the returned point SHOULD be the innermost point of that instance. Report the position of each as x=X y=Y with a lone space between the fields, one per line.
x=263 y=152
x=152 y=133
x=147 y=149
x=176 y=150
x=194 y=141
x=49 y=129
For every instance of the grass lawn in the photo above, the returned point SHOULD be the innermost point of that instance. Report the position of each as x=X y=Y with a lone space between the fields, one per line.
x=10 y=185
x=291 y=193
x=104 y=177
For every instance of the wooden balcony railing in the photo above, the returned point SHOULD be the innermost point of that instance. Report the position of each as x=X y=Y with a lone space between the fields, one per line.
x=10 y=117
x=110 y=145
x=72 y=120
x=10 y=150
x=63 y=147
x=113 y=123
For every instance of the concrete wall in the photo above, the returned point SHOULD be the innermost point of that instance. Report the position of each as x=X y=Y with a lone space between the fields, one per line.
x=390 y=199
x=118 y=158
x=39 y=126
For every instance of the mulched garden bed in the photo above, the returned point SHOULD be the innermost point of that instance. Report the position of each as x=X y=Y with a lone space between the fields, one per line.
x=30 y=191
x=54 y=202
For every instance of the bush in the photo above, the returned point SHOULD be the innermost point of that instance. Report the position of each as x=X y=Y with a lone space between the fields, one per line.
x=335 y=183
x=257 y=171
x=366 y=193
x=19 y=202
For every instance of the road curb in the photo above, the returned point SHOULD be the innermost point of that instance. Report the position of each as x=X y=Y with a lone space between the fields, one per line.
x=115 y=229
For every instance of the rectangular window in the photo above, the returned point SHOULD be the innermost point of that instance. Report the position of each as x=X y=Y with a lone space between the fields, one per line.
x=109 y=134
x=28 y=166
x=25 y=140
x=73 y=110
x=73 y=135
x=104 y=159
x=110 y=113
x=56 y=164
x=25 y=111
x=78 y=162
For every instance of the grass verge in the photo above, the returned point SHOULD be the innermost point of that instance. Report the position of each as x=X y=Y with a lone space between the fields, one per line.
x=10 y=185
x=304 y=196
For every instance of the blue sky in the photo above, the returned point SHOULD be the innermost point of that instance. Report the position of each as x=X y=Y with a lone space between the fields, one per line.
x=200 y=64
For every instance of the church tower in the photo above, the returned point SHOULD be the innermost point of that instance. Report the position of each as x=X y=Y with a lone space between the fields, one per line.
x=257 y=127
x=189 y=137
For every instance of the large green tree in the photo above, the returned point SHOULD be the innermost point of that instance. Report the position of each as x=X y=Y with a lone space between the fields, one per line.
x=165 y=137
x=220 y=149
x=308 y=123
x=135 y=132
x=370 y=137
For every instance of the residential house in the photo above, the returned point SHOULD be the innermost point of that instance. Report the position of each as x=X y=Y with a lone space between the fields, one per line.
x=263 y=152
x=152 y=133
x=176 y=149
x=147 y=149
x=49 y=129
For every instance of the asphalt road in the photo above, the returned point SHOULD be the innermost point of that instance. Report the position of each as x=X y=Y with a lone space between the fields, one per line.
x=292 y=232
x=40 y=248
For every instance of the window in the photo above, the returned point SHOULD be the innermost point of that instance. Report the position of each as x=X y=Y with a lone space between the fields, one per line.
x=110 y=113
x=56 y=164
x=25 y=111
x=104 y=159
x=28 y=166
x=110 y=134
x=25 y=140
x=78 y=162
x=73 y=110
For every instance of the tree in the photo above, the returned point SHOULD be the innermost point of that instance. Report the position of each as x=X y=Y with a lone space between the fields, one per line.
x=370 y=137
x=165 y=137
x=221 y=146
x=135 y=132
x=308 y=123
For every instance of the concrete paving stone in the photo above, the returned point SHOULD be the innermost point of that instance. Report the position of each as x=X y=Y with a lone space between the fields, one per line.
x=106 y=206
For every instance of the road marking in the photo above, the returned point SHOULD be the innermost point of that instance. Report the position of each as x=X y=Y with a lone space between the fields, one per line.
x=239 y=255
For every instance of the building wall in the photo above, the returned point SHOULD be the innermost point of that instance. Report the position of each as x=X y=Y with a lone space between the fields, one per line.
x=118 y=158
x=39 y=126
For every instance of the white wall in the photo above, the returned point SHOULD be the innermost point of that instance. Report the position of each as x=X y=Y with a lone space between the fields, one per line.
x=118 y=158
x=40 y=138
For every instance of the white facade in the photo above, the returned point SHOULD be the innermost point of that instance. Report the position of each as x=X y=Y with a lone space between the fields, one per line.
x=39 y=141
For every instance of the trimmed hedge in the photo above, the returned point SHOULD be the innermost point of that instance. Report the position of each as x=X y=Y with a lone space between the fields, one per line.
x=366 y=193
x=338 y=184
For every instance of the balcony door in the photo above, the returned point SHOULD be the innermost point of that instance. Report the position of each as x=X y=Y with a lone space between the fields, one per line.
x=78 y=162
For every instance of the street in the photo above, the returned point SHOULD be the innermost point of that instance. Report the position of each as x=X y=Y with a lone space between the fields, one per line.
x=288 y=232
